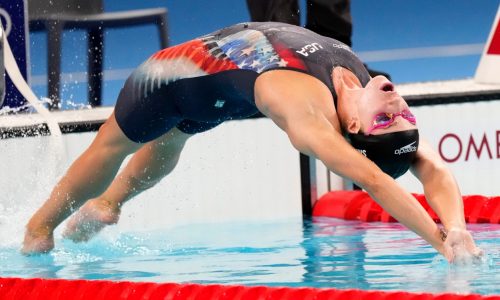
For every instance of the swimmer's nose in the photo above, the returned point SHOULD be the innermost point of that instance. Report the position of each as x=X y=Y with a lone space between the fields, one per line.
x=382 y=83
x=387 y=87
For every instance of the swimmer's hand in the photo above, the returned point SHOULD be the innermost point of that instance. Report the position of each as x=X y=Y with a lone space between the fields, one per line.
x=459 y=247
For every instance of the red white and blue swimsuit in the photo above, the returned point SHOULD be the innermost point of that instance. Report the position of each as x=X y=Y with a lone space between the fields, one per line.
x=199 y=84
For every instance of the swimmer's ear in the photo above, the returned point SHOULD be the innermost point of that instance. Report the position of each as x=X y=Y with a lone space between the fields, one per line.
x=353 y=125
x=348 y=116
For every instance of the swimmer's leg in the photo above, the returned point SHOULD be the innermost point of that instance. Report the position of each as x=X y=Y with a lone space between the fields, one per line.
x=86 y=178
x=147 y=167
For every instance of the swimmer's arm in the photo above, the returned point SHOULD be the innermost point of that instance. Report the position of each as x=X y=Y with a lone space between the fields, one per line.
x=303 y=107
x=331 y=148
x=443 y=195
x=440 y=188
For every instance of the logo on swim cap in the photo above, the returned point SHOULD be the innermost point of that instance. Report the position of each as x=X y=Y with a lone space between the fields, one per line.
x=362 y=151
x=406 y=149
x=392 y=152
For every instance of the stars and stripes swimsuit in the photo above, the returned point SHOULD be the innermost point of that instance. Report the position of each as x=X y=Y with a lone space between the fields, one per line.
x=199 y=84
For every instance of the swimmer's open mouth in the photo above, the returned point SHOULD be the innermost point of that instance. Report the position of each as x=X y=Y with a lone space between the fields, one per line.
x=387 y=87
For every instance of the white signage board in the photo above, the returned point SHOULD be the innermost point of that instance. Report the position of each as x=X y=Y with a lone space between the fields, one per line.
x=467 y=137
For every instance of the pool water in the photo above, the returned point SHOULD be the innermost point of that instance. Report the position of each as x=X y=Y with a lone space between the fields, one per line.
x=323 y=252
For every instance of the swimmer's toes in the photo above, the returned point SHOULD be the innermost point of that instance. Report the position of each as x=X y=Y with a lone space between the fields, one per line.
x=89 y=220
x=82 y=228
x=77 y=231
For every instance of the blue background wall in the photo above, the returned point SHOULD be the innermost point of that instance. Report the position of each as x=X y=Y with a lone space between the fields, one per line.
x=378 y=25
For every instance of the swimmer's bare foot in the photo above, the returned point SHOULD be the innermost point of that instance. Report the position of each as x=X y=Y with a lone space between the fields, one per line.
x=91 y=218
x=37 y=241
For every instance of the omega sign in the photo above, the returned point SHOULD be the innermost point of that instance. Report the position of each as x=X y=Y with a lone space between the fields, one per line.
x=453 y=147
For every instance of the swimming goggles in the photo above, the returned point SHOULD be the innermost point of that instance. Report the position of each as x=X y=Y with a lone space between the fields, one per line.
x=384 y=120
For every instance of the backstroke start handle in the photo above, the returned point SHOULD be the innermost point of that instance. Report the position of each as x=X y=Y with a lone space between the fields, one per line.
x=23 y=87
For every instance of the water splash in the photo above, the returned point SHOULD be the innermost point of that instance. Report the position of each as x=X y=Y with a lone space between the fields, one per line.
x=29 y=108
x=7 y=110
x=76 y=106
x=37 y=168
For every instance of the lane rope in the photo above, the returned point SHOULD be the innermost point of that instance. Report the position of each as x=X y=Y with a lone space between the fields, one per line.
x=55 y=289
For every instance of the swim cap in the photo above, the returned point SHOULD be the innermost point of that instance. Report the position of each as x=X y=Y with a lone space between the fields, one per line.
x=392 y=152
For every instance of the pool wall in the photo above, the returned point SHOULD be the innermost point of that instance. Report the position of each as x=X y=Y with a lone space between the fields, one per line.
x=240 y=171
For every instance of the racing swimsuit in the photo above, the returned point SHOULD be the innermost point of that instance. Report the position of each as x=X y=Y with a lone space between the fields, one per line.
x=199 y=84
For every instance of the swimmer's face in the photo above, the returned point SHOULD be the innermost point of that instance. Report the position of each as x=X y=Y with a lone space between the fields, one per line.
x=378 y=97
x=358 y=106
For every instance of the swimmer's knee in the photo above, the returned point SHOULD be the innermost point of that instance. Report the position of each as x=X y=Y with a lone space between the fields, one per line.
x=175 y=136
x=170 y=145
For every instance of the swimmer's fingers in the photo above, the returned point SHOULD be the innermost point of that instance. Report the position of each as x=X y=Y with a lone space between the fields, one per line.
x=448 y=253
x=472 y=248
x=478 y=252
x=470 y=245
x=462 y=247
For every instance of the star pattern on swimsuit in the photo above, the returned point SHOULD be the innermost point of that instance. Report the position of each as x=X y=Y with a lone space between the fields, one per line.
x=266 y=50
x=255 y=63
x=274 y=57
x=282 y=63
x=247 y=51
x=251 y=50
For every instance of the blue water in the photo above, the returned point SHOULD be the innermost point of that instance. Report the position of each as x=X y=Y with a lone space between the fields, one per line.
x=326 y=253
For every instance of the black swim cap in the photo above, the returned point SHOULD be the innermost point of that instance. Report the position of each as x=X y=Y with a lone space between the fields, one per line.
x=392 y=152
